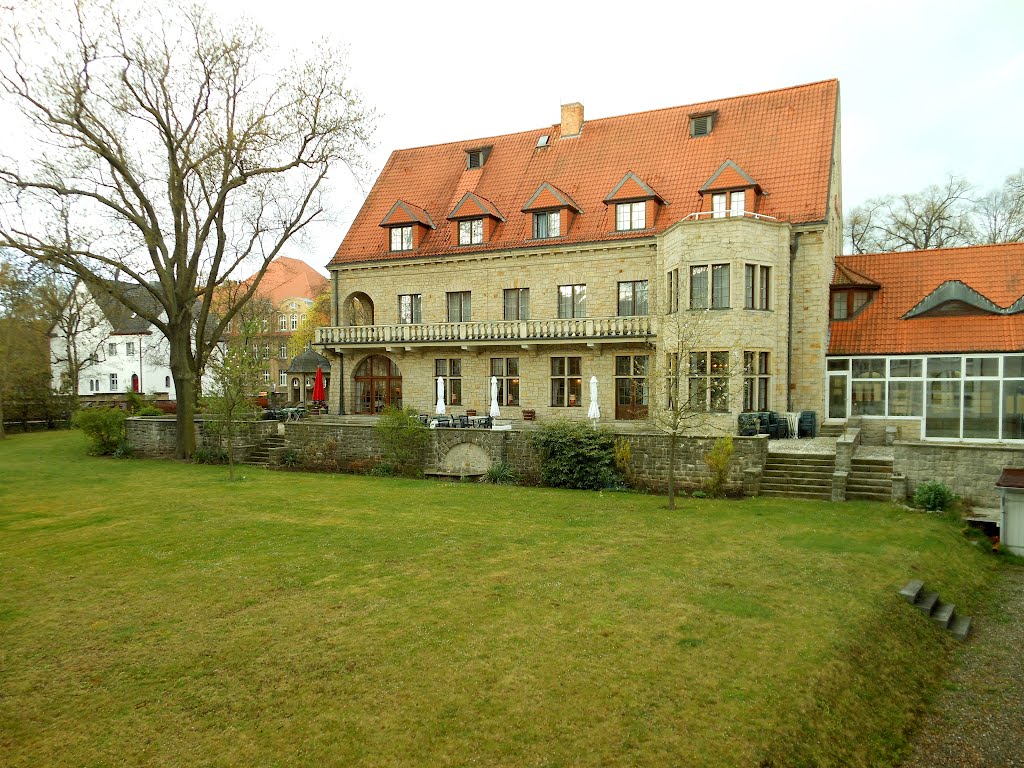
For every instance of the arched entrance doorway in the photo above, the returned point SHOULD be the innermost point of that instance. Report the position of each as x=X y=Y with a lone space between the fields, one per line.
x=135 y=382
x=378 y=384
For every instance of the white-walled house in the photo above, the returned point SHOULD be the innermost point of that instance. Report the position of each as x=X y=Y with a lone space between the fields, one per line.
x=118 y=350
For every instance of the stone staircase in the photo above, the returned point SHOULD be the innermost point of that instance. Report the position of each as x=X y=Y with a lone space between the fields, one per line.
x=798 y=475
x=943 y=614
x=260 y=456
x=869 y=480
x=832 y=429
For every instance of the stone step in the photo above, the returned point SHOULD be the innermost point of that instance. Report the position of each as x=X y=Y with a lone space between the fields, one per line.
x=879 y=464
x=797 y=495
x=879 y=497
x=868 y=480
x=961 y=627
x=782 y=485
x=912 y=590
x=795 y=476
x=926 y=602
x=803 y=458
x=944 y=614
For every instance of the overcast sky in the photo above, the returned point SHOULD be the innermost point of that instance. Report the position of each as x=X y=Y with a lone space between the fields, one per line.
x=927 y=88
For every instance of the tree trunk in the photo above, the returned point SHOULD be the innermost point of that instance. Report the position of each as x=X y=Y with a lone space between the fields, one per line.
x=672 y=440
x=185 y=394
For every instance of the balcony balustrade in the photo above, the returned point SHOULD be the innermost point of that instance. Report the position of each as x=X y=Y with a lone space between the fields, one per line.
x=489 y=332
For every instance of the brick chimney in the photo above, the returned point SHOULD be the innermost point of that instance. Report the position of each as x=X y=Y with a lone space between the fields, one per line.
x=572 y=120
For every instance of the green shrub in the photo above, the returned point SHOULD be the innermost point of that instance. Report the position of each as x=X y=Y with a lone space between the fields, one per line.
x=624 y=460
x=291 y=458
x=103 y=428
x=934 y=496
x=124 y=450
x=699 y=494
x=719 y=459
x=150 y=410
x=575 y=455
x=382 y=470
x=404 y=439
x=205 y=454
x=499 y=473
x=320 y=456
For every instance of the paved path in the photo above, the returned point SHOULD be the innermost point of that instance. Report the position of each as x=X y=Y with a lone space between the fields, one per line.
x=978 y=719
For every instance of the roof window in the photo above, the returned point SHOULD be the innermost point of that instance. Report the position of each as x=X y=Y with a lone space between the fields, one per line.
x=542 y=141
x=702 y=123
x=475 y=158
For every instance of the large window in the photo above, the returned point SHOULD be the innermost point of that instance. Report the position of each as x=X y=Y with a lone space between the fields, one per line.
x=572 y=301
x=378 y=384
x=113 y=382
x=633 y=298
x=410 y=308
x=717 y=286
x=451 y=371
x=756 y=286
x=506 y=371
x=471 y=232
x=401 y=238
x=969 y=397
x=566 y=382
x=756 y=381
x=547 y=224
x=728 y=204
x=517 y=303
x=709 y=381
x=631 y=215
x=631 y=386
x=847 y=303
x=459 y=306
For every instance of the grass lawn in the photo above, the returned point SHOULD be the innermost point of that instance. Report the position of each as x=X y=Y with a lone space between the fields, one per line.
x=151 y=613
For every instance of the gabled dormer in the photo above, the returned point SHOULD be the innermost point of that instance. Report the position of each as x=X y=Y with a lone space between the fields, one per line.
x=474 y=219
x=636 y=204
x=851 y=292
x=552 y=212
x=407 y=225
x=730 y=191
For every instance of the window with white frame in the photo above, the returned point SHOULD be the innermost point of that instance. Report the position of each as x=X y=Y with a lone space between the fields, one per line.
x=282 y=378
x=113 y=382
x=111 y=349
x=710 y=279
x=294 y=322
x=631 y=215
x=516 y=303
x=633 y=298
x=282 y=322
x=95 y=385
x=450 y=369
x=728 y=203
x=471 y=232
x=756 y=286
x=401 y=238
x=282 y=351
x=266 y=351
x=129 y=348
x=410 y=308
x=506 y=371
x=547 y=224
x=266 y=375
x=572 y=300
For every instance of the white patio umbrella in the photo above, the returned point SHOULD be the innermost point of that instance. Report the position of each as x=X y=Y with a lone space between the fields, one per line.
x=594 y=412
x=495 y=413
x=439 y=408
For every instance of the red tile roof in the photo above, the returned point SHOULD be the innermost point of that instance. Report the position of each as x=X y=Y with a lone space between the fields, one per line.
x=994 y=271
x=288 y=278
x=784 y=139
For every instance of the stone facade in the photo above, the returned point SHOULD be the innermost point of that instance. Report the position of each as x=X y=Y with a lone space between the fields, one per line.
x=155 y=437
x=970 y=470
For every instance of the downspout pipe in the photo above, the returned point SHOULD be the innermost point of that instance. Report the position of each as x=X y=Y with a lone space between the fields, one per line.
x=794 y=247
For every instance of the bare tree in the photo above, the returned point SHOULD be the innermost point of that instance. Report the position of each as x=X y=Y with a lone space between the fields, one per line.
x=75 y=321
x=940 y=216
x=1000 y=212
x=168 y=159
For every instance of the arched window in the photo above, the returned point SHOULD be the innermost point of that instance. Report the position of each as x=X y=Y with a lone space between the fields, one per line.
x=378 y=384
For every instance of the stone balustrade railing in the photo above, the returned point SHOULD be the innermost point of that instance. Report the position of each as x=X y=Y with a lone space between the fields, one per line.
x=494 y=331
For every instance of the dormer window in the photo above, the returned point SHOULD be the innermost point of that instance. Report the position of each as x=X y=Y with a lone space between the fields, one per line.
x=547 y=224
x=475 y=158
x=471 y=232
x=728 y=203
x=702 y=123
x=631 y=215
x=847 y=303
x=401 y=238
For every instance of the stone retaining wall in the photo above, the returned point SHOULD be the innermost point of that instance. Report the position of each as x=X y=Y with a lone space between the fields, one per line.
x=970 y=470
x=153 y=436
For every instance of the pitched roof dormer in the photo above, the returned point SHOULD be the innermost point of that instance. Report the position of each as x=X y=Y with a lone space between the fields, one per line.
x=954 y=298
x=729 y=176
x=632 y=187
x=548 y=197
x=474 y=220
x=472 y=206
x=407 y=225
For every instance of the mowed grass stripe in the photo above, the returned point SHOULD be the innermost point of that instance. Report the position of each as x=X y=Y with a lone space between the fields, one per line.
x=152 y=613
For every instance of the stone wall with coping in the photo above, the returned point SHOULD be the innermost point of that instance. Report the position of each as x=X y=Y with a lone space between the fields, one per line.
x=970 y=470
x=156 y=437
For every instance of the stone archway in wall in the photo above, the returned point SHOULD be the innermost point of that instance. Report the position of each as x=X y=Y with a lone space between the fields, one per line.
x=357 y=309
x=376 y=384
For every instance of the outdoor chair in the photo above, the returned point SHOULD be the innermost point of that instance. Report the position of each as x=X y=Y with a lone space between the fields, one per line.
x=461 y=421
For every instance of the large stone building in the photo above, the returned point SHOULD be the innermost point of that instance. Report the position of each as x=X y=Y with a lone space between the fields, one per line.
x=586 y=249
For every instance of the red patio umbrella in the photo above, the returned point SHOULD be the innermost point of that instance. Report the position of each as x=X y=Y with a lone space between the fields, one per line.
x=319 y=395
